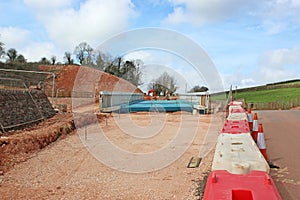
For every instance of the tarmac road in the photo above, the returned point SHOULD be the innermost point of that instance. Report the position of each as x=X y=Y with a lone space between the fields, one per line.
x=282 y=134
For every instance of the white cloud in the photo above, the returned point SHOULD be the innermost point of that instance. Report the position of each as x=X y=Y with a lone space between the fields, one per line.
x=247 y=82
x=145 y=56
x=295 y=2
x=280 y=58
x=157 y=61
x=240 y=80
x=205 y=11
x=152 y=71
x=67 y=25
x=14 y=37
x=279 y=15
x=21 y=40
x=273 y=66
x=48 y=5
x=94 y=21
x=272 y=27
x=274 y=16
x=35 y=51
x=279 y=64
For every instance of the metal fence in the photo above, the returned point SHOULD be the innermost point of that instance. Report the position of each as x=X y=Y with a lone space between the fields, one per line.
x=12 y=79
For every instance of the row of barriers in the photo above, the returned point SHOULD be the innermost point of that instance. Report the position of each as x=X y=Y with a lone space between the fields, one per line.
x=240 y=168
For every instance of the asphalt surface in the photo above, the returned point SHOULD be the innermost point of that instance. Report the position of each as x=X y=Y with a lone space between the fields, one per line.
x=282 y=134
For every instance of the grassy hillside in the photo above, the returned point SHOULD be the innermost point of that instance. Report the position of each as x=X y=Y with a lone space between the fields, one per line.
x=270 y=95
x=273 y=96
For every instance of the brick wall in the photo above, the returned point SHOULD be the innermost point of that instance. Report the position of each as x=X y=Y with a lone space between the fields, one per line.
x=23 y=108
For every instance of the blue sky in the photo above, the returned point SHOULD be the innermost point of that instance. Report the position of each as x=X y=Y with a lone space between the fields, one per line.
x=250 y=42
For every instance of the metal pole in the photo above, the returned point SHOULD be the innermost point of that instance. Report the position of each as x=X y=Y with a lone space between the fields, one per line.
x=56 y=96
x=53 y=83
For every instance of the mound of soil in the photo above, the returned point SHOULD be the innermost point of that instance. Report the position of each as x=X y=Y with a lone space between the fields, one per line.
x=18 y=146
x=69 y=75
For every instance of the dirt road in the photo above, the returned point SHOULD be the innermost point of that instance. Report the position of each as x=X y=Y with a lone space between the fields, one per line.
x=282 y=133
x=66 y=169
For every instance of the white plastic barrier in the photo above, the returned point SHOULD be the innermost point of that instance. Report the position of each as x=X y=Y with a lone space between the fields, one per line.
x=236 y=103
x=238 y=154
x=234 y=107
x=237 y=116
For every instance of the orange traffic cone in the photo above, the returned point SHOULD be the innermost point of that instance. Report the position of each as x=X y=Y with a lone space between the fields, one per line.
x=250 y=119
x=255 y=127
x=261 y=142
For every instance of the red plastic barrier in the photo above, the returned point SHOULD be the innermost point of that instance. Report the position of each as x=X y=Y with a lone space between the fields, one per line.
x=257 y=185
x=236 y=126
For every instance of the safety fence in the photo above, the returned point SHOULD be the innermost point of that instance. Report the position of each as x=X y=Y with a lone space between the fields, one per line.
x=240 y=168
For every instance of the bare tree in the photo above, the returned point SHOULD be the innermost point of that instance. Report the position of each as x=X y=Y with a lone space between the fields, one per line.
x=21 y=59
x=197 y=88
x=89 y=57
x=44 y=61
x=164 y=82
x=2 y=49
x=102 y=60
x=131 y=72
x=114 y=67
x=83 y=53
x=12 y=55
x=68 y=58
x=53 y=60
x=128 y=70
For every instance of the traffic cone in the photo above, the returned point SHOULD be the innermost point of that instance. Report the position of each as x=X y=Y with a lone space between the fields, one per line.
x=250 y=119
x=255 y=127
x=261 y=142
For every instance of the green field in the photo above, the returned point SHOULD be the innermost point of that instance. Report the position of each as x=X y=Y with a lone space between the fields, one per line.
x=281 y=95
x=270 y=95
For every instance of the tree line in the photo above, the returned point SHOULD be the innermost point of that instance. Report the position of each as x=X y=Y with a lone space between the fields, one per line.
x=129 y=70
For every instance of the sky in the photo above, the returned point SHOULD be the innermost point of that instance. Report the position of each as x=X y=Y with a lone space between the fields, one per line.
x=250 y=42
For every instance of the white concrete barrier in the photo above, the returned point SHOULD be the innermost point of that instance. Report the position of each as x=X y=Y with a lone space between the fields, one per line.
x=238 y=154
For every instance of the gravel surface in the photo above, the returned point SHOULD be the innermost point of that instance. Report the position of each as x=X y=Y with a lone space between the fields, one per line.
x=65 y=169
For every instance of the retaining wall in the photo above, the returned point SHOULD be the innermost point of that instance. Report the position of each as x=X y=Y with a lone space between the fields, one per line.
x=19 y=108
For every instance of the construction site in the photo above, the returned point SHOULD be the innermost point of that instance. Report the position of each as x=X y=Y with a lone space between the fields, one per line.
x=80 y=133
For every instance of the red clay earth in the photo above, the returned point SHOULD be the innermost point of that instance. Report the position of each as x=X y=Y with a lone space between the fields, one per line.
x=15 y=145
x=68 y=74
x=66 y=169
x=49 y=161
